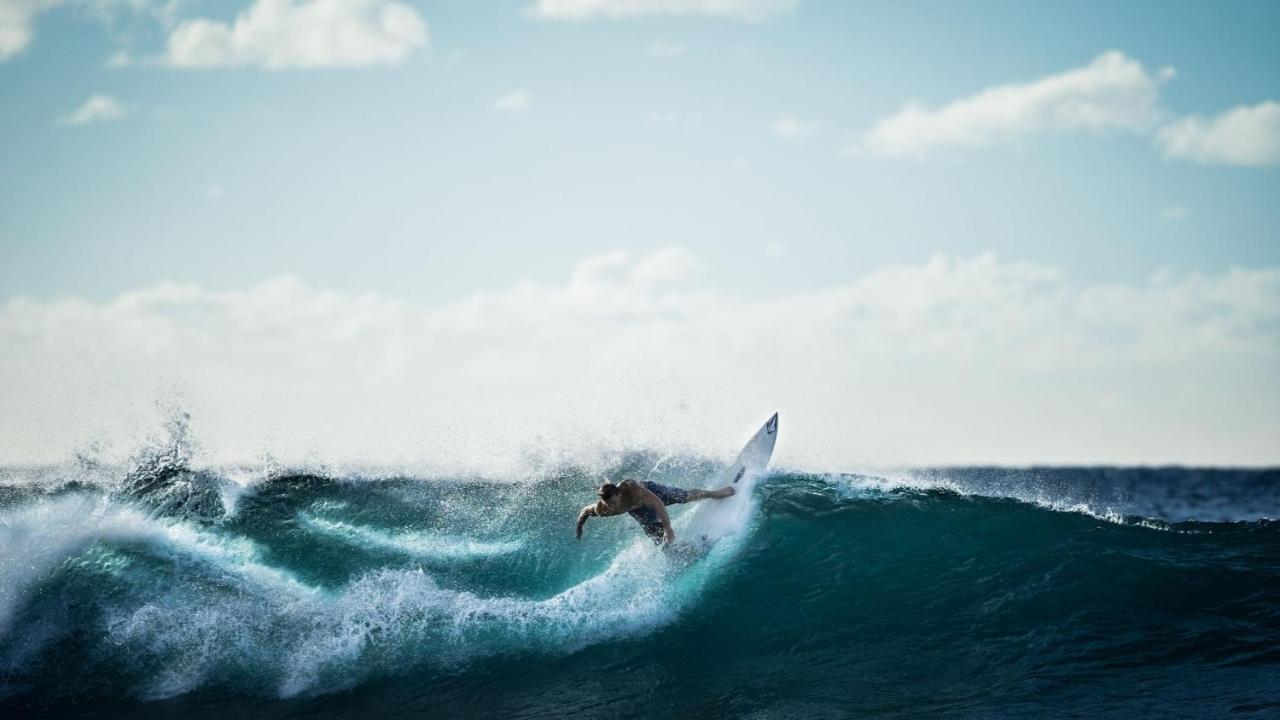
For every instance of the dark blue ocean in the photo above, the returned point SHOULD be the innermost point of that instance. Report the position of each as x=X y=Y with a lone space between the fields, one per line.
x=163 y=590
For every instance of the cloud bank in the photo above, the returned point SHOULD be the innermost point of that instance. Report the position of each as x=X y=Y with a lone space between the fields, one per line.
x=284 y=34
x=969 y=359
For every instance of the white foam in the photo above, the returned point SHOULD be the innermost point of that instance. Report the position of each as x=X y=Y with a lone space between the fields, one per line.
x=306 y=643
x=416 y=543
x=860 y=485
x=34 y=539
x=856 y=485
x=259 y=622
x=1106 y=514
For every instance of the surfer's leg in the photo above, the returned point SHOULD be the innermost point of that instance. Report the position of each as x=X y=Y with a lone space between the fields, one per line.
x=723 y=492
x=674 y=496
x=648 y=520
x=669 y=495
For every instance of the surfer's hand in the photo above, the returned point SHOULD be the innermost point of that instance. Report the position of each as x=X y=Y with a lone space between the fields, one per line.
x=668 y=536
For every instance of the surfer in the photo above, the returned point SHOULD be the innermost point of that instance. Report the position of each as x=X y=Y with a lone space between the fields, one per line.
x=646 y=502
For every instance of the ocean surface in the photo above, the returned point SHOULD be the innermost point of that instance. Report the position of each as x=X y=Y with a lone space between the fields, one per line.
x=160 y=589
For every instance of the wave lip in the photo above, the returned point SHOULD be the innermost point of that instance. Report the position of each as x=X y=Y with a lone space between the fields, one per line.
x=1128 y=495
x=38 y=539
x=416 y=543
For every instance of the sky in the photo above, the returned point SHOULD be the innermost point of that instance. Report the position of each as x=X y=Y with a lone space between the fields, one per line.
x=476 y=233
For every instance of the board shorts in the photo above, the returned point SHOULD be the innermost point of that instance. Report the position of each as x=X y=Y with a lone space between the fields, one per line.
x=648 y=517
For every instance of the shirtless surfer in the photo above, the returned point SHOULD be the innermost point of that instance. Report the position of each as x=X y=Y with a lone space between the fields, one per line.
x=646 y=502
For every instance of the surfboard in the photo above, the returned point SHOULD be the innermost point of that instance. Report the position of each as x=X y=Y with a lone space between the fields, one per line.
x=715 y=519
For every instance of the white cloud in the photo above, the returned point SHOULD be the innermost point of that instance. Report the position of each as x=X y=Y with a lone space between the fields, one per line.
x=664 y=49
x=17 y=23
x=98 y=108
x=1114 y=92
x=750 y=10
x=792 y=128
x=1240 y=136
x=894 y=365
x=516 y=101
x=1175 y=213
x=667 y=266
x=776 y=248
x=284 y=34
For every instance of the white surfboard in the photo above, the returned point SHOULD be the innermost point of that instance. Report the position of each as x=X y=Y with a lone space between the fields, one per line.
x=715 y=519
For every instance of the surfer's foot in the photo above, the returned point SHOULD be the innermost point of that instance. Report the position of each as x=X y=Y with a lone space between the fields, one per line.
x=723 y=492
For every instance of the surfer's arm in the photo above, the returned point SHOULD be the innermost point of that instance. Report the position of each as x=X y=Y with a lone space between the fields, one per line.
x=587 y=512
x=595 y=509
x=670 y=535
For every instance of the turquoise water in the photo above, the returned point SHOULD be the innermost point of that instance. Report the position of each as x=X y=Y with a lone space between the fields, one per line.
x=956 y=593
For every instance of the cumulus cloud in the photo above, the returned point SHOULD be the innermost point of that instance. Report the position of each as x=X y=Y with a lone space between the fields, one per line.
x=1114 y=92
x=750 y=10
x=516 y=101
x=286 y=34
x=793 y=128
x=1247 y=135
x=98 y=108
x=969 y=359
x=17 y=24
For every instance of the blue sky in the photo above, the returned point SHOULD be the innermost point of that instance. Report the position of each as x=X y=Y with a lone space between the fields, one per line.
x=448 y=148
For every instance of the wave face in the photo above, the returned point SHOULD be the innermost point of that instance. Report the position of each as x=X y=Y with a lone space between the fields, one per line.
x=954 y=593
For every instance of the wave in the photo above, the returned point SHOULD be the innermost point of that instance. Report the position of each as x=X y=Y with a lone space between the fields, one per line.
x=38 y=539
x=188 y=603
x=377 y=624
x=1150 y=497
x=308 y=585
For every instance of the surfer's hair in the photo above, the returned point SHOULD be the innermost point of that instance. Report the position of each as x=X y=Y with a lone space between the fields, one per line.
x=608 y=490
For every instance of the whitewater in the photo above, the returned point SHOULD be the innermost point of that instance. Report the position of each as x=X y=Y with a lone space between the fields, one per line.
x=162 y=587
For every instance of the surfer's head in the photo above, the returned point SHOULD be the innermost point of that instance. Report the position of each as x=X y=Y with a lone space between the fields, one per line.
x=608 y=491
